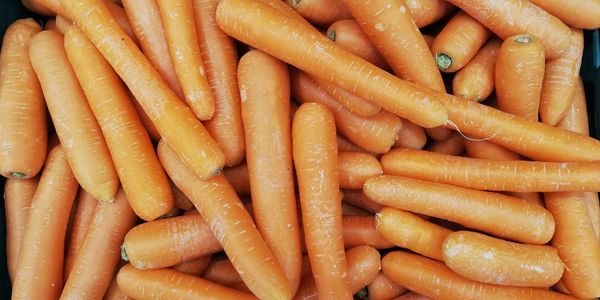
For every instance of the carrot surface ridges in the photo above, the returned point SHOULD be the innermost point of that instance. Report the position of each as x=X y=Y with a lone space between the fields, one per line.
x=577 y=13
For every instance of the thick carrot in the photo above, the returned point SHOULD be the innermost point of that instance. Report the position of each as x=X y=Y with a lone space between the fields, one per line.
x=355 y=168
x=485 y=211
x=351 y=102
x=512 y=17
x=434 y=280
x=483 y=258
x=171 y=284
x=75 y=124
x=577 y=13
x=167 y=242
x=40 y=267
x=458 y=42
x=321 y=12
x=381 y=288
x=409 y=231
x=313 y=135
x=453 y=145
x=493 y=175
x=359 y=199
x=269 y=157
x=560 y=79
x=79 y=224
x=519 y=76
x=362 y=230
x=23 y=123
x=174 y=121
x=348 y=146
x=195 y=266
x=475 y=81
x=426 y=12
x=99 y=254
x=238 y=178
x=411 y=136
x=348 y=34
x=17 y=199
x=222 y=271
x=298 y=43
x=376 y=133
x=391 y=28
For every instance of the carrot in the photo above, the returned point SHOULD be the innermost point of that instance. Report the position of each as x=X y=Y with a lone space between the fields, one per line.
x=238 y=178
x=323 y=12
x=299 y=44
x=222 y=271
x=519 y=76
x=364 y=263
x=529 y=223
x=438 y=134
x=409 y=231
x=168 y=242
x=50 y=24
x=381 y=288
x=391 y=28
x=453 y=145
x=150 y=32
x=458 y=42
x=38 y=7
x=593 y=205
x=23 y=123
x=348 y=146
x=361 y=230
x=560 y=79
x=350 y=101
x=355 y=168
x=411 y=136
x=63 y=24
x=483 y=258
x=578 y=13
x=412 y=296
x=488 y=150
x=576 y=116
x=171 y=284
x=113 y=292
x=40 y=266
x=348 y=34
x=376 y=133
x=308 y=289
x=195 y=266
x=349 y=210
x=174 y=121
x=359 y=199
x=313 y=135
x=99 y=254
x=475 y=81
x=118 y=13
x=179 y=199
x=75 y=124
x=426 y=12
x=433 y=279
x=493 y=175
x=17 y=199
x=269 y=157
x=145 y=119
x=82 y=218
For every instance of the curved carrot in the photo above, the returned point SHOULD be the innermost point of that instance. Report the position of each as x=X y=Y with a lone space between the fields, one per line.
x=493 y=175
x=410 y=136
x=351 y=102
x=355 y=168
x=313 y=135
x=222 y=271
x=475 y=81
x=364 y=263
x=361 y=230
x=431 y=278
x=458 y=42
x=80 y=222
x=23 y=123
x=299 y=44
x=381 y=288
x=512 y=17
x=453 y=145
x=75 y=124
x=321 y=12
x=238 y=178
x=348 y=34
x=174 y=121
x=560 y=79
x=348 y=146
x=577 y=13
x=40 y=266
x=195 y=266
x=426 y=12
x=485 y=211
x=360 y=200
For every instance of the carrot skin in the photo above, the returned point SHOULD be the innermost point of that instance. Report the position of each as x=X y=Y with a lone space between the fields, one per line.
x=195 y=266
x=321 y=12
x=475 y=81
x=381 y=288
x=577 y=13
x=84 y=214
x=355 y=168
x=348 y=34
x=426 y=12
x=362 y=230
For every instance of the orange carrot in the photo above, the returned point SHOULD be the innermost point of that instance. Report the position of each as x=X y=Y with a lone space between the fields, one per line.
x=82 y=218
x=321 y=12
x=17 y=199
x=519 y=76
x=560 y=79
x=238 y=178
x=432 y=279
x=63 y=24
x=576 y=117
x=221 y=271
x=458 y=42
x=412 y=296
x=577 y=13
x=171 y=284
x=453 y=145
x=50 y=24
x=349 y=210
x=351 y=102
x=355 y=168
x=220 y=58
x=475 y=81
x=361 y=230
x=439 y=134
x=195 y=266
x=113 y=292
x=348 y=146
x=179 y=199
x=308 y=289
x=428 y=39
x=364 y=263
x=146 y=121
x=411 y=136
x=426 y=12
x=40 y=265
x=313 y=135
x=381 y=288
x=359 y=199
x=409 y=231
x=23 y=123
x=75 y=124
x=493 y=175
x=485 y=211
x=376 y=133
x=488 y=150
x=298 y=43
x=118 y=13
x=512 y=17
x=348 y=34
x=38 y=7
x=174 y=121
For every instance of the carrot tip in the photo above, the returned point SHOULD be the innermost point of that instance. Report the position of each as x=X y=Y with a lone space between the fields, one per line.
x=331 y=35
x=524 y=39
x=124 y=253
x=18 y=175
x=443 y=61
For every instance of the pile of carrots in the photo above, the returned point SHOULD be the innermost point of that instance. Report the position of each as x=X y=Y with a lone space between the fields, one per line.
x=300 y=149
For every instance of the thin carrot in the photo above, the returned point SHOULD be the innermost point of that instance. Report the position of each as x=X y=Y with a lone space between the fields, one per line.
x=75 y=124
x=82 y=218
x=171 y=284
x=458 y=42
x=321 y=12
x=409 y=231
x=438 y=134
x=17 y=199
x=560 y=80
x=410 y=136
x=577 y=13
x=493 y=175
x=426 y=12
x=412 y=296
x=348 y=34
x=453 y=145
x=221 y=271
x=23 y=123
x=298 y=43
x=528 y=222
x=238 y=178
x=475 y=81
x=381 y=288
x=63 y=24
x=118 y=13
x=351 y=102
x=313 y=135
x=195 y=266
x=40 y=266
x=376 y=133
x=348 y=146
x=489 y=150
x=576 y=118
x=355 y=168
x=361 y=230
x=433 y=279
x=174 y=121
x=359 y=199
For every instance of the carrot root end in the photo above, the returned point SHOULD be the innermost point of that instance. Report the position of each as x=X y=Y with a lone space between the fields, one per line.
x=523 y=39
x=443 y=61
x=18 y=175
x=331 y=35
x=124 y=256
